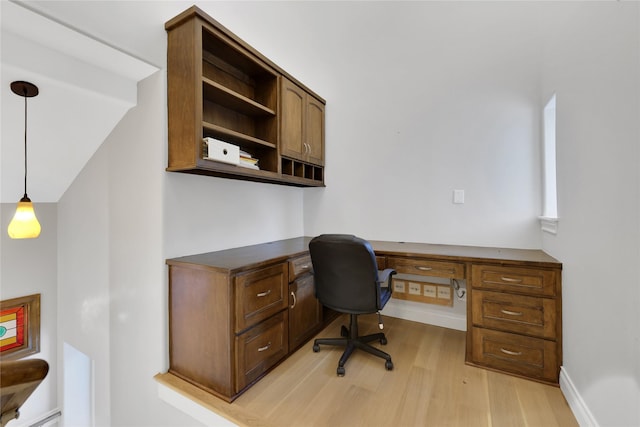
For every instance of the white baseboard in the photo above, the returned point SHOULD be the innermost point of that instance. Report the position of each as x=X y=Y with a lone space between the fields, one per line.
x=576 y=403
x=419 y=313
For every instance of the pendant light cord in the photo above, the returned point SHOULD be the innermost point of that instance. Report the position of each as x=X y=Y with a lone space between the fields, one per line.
x=25 y=142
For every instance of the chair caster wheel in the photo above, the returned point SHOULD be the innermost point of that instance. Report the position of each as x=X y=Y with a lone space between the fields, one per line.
x=383 y=341
x=316 y=348
x=341 y=371
x=389 y=365
x=344 y=332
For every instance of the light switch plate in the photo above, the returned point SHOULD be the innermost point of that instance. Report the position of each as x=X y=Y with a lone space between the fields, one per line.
x=458 y=196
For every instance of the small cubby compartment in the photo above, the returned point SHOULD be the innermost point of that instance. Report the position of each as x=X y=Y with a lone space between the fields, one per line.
x=298 y=169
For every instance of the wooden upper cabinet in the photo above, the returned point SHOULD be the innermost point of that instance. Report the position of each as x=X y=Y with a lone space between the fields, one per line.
x=302 y=125
x=220 y=87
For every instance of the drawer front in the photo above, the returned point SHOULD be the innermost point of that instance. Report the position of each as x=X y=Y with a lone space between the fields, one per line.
x=299 y=266
x=532 y=357
x=424 y=267
x=515 y=279
x=534 y=316
x=259 y=348
x=260 y=294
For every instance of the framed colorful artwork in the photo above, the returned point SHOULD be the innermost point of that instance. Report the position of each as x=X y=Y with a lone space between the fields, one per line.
x=19 y=327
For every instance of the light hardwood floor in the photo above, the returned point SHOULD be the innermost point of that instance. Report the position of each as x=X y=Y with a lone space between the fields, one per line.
x=430 y=385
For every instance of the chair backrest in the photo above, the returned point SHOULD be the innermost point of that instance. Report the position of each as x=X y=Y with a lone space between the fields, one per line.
x=345 y=273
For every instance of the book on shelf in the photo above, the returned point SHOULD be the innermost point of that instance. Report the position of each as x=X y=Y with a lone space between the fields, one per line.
x=248 y=161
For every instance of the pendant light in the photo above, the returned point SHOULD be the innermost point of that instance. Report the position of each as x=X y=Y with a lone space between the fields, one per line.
x=24 y=224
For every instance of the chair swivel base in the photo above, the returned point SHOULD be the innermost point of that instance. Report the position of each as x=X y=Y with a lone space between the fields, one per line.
x=351 y=340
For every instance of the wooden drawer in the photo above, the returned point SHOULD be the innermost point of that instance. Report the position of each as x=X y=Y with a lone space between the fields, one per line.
x=299 y=266
x=533 y=316
x=424 y=267
x=259 y=348
x=532 y=357
x=260 y=294
x=515 y=279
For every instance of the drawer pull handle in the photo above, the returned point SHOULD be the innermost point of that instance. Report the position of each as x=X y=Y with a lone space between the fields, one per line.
x=264 y=294
x=419 y=267
x=293 y=294
x=511 y=353
x=510 y=280
x=266 y=347
x=511 y=313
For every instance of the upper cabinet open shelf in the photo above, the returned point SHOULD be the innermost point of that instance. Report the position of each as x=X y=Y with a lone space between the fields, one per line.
x=220 y=87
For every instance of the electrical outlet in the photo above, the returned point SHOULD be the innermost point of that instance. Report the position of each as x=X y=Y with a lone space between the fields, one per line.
x=398 y=286
x=414 y=288
x=430 y=291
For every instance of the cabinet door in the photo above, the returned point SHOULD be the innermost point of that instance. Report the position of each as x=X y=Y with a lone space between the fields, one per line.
x=315 y=131
x=304 y=310
x=302 y=125
x=292 y=120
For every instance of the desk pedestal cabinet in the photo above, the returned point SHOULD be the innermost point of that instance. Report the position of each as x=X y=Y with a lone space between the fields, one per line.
x=515 y=320
x=237 y=313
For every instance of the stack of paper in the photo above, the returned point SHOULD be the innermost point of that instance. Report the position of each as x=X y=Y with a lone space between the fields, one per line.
x=247 y=161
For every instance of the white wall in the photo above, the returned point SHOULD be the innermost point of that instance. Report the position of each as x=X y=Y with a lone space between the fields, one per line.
x=592 y=62
x=29 y=267
x=83 y=275
x=425 y=98
x=112 y=282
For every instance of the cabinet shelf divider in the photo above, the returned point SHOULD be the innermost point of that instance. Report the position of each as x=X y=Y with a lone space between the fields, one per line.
x=217 y=93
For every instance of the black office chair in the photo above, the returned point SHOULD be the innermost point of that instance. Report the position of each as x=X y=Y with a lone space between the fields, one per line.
x=347 y=280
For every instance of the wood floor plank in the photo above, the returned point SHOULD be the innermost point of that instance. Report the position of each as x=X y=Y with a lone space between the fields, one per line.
x=430 y=385
x=503 y=400
x=558 y=405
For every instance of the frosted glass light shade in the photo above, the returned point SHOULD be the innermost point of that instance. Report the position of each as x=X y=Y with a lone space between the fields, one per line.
x=24 y=224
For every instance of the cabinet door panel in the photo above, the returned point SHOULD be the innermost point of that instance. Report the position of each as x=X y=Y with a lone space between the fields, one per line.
x=315 y=130
x=528 y=281
x=305 y=310
x=259 y=348
x=426 y=267
x=299 y=266
x=533 y=316
x=531 y=357
x=292 y=120
x=260 y=294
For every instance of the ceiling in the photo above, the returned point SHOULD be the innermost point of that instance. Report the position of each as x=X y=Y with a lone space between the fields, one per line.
x=86 y=69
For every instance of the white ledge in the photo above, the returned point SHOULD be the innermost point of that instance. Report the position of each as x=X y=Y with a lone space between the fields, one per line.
x=549 y=225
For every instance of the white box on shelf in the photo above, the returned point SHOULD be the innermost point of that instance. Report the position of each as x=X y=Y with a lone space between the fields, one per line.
x=221 y=151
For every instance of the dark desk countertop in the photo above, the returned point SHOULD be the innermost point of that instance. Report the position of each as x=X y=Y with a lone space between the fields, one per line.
x=253 y=256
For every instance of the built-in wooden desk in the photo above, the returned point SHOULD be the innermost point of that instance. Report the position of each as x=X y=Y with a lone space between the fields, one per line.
x=235 y=314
